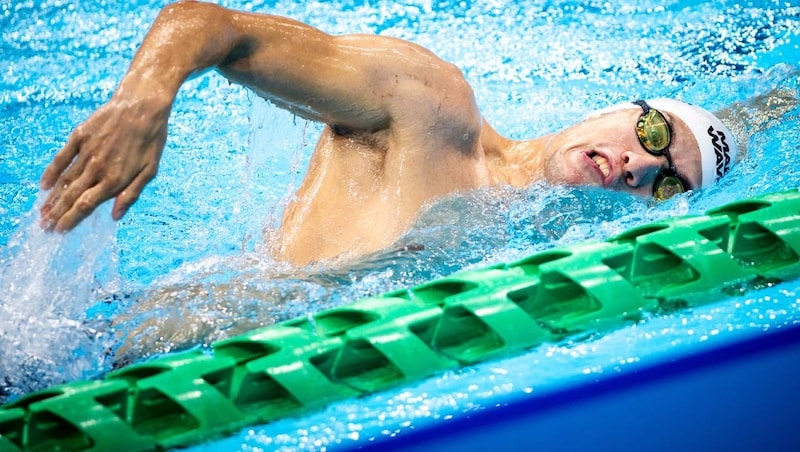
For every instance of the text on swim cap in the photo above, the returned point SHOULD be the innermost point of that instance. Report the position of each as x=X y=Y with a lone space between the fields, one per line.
x=721 y=150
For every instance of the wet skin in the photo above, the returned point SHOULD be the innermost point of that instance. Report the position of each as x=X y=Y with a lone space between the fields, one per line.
x=402 y=129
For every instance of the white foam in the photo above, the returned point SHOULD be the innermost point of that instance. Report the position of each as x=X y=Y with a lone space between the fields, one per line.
x=48 y=282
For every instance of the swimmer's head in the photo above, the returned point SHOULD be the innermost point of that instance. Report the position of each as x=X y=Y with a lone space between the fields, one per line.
x=718 y=150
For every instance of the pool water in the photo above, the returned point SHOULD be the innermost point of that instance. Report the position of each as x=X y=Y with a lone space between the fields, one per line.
x=186 y=266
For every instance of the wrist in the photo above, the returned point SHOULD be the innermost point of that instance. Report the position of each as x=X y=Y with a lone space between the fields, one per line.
x=153 y=93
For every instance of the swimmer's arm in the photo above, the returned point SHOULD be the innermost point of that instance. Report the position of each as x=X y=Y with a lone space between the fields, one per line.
x=357 y=83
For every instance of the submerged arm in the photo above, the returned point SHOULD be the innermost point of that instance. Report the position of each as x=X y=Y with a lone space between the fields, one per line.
x=357 y=83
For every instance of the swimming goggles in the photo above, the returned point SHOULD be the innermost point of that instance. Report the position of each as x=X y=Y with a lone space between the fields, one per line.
x=654 y=135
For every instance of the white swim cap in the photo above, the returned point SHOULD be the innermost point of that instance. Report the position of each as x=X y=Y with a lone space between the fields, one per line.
x=718 y=150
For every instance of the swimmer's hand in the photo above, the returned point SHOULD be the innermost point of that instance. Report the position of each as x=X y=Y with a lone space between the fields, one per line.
x=114 y=154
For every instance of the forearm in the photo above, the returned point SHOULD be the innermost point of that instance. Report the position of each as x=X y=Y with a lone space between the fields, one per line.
x=185 y=39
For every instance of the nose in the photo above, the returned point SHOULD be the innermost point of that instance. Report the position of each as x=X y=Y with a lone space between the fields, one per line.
x=640 y=168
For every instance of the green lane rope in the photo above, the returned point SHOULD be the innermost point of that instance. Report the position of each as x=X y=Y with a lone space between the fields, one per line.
x=404 y=335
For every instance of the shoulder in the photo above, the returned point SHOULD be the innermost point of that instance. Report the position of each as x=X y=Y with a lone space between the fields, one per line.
x=423 y=96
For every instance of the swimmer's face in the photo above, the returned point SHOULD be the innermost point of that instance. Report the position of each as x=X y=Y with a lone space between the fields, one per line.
x=605 y=150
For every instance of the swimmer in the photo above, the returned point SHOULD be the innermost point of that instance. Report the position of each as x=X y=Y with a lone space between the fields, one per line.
x=402 y=128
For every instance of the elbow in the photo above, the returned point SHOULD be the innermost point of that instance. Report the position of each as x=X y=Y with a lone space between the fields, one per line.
x=189 y=10
x=205 y=31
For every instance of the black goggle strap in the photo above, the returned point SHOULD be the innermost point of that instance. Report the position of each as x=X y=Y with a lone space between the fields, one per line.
x=644 y=105
x=668 y=182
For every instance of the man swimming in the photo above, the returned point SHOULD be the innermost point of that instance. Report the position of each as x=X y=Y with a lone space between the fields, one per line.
x=402 y=129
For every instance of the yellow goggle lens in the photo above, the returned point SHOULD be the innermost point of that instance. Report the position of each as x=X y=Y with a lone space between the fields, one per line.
x=667 y=187
x=653 y=132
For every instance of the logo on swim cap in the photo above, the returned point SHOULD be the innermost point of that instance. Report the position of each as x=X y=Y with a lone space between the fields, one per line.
x=721 y=150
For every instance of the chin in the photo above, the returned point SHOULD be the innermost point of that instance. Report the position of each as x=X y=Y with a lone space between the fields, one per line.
x=566 y=165
x=571 y=175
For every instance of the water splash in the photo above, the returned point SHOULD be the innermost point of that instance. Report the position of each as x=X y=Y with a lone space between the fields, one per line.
x=49 y=281
x=596 y=53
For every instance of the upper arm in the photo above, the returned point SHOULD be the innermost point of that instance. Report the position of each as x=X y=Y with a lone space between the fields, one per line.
x=357 y=82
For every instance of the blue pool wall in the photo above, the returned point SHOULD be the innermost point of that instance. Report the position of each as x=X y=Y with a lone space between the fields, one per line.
x=743 y=395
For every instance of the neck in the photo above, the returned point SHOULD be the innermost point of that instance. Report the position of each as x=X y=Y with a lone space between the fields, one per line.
x=518 y=163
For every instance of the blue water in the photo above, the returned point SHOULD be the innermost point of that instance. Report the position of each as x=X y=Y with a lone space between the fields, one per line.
x=185 y=267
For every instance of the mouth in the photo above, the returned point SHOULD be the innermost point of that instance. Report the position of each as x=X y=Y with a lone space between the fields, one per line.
x=602 y=165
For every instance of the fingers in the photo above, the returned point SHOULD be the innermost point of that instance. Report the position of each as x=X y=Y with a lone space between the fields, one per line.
x=60 y=162
x=66 y=190
x=73 y=200
x=59 y=175
x=130 y=194
x=74 y=205
x=81 y=209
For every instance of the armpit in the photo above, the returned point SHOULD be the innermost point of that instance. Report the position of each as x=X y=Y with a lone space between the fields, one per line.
x=375 y=140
